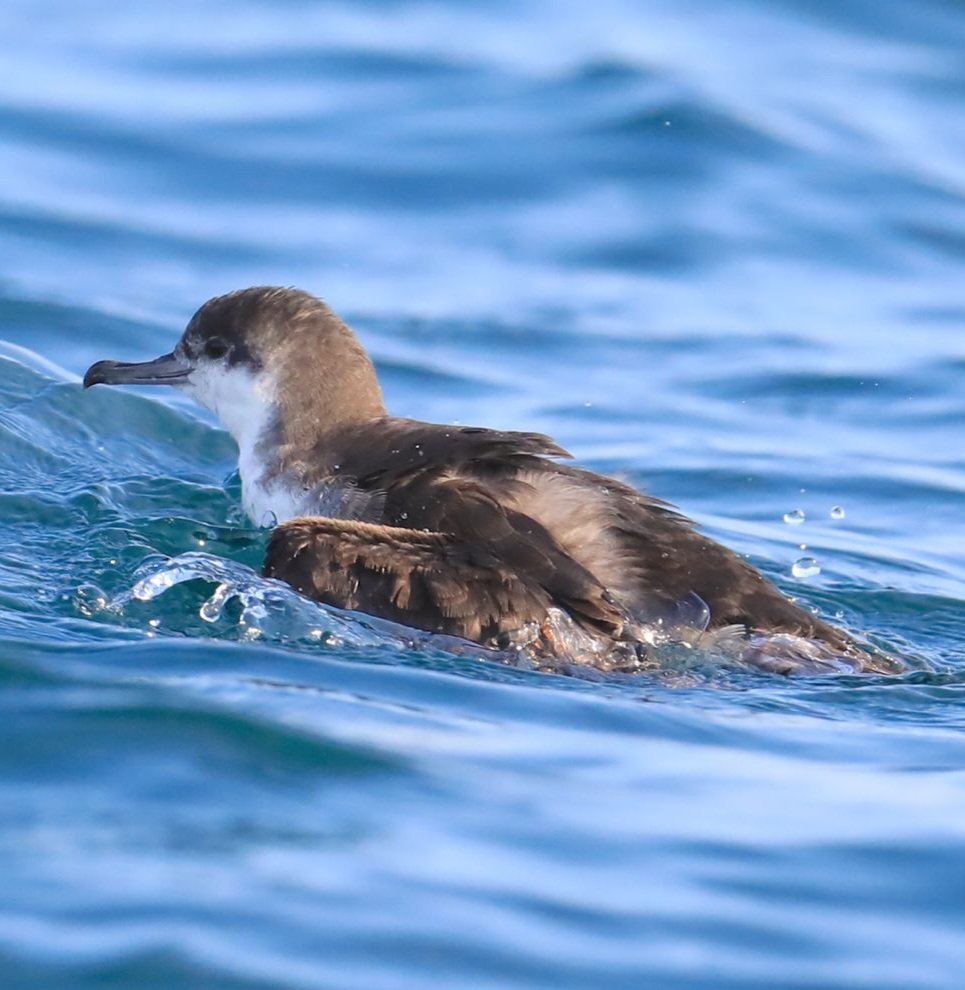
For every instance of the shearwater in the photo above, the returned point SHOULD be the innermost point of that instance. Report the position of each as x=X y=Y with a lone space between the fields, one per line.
x=464 y=531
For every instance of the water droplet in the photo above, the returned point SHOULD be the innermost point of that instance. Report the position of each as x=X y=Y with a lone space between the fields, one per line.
x=211 y=610
x=805 y=567
x=837 y=512
x=154 y=623
x=89 y=600
x=795 y=517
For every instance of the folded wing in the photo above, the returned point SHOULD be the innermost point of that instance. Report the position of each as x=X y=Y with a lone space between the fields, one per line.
x=429 y=581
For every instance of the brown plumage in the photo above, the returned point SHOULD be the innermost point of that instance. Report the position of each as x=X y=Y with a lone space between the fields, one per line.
x=458 y=530
x=486 y=518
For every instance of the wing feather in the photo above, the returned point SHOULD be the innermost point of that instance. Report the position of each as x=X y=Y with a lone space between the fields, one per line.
x=425 y=580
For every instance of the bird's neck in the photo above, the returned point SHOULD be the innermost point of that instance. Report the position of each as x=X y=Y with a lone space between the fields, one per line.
x=290 y=470
x=285 y=423
x=313 y=400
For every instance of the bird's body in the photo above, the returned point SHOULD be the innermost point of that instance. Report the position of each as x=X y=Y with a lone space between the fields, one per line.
x=459 y=530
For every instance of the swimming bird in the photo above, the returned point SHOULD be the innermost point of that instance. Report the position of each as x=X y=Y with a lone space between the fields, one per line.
x=465 y=531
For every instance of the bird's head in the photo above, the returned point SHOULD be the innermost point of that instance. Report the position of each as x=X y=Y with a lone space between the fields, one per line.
x=263 y=356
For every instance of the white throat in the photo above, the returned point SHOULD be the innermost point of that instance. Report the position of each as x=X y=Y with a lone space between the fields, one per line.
x=244 y=403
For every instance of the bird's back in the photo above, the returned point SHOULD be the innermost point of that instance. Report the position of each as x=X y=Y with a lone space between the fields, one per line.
x=593 y=545
x=652 y=558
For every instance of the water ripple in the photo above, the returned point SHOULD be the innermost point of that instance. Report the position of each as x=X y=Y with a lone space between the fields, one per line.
x=716 y=250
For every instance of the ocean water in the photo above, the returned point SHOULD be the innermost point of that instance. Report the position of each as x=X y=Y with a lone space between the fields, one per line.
x=715 y=248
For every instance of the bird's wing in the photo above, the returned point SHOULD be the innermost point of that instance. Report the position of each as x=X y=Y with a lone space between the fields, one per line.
x=427 y=581
x=452 y=483
x=476 y=514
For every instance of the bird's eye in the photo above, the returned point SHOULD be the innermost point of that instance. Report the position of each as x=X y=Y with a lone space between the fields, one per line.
x=215 y=348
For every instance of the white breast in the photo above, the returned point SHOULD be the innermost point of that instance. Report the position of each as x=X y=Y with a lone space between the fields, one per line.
x=270 y=499
x=268 y=502
x=244 y=403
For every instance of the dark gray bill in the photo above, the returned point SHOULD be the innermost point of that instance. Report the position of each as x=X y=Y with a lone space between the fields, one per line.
x=165 y=370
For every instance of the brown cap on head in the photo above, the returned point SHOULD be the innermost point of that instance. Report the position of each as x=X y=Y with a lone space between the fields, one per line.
x=322 y=374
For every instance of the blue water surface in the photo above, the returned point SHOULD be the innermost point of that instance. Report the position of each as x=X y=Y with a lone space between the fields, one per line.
x=717 y=248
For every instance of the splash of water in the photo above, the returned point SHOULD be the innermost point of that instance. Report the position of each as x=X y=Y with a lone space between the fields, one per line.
x=244 y=604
